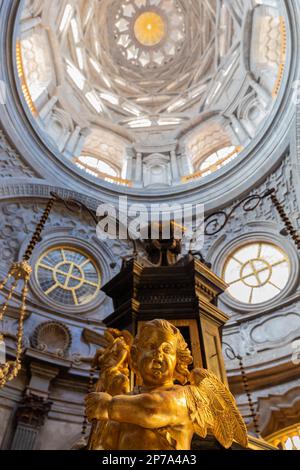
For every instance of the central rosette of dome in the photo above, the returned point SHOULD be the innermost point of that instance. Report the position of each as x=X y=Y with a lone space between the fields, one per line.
x=149 y=29
x=147 y=33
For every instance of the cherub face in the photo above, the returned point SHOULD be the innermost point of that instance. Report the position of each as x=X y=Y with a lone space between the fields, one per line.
x=156 y=358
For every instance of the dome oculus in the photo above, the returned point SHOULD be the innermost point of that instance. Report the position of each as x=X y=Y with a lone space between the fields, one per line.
x=148 y=34
x=149 y=29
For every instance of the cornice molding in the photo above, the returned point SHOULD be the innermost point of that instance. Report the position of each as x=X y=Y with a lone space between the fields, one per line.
x=263 y=375
x=279 y=411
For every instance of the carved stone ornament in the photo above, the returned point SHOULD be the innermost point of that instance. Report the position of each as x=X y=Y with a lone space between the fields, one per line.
x=11 y=163
x=52 y=337
x=32 y=411
x=279 y=411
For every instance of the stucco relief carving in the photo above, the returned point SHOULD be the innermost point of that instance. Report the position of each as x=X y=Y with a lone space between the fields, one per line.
x=271 y=333
x=9 y=329
x=278 y=411
x=11 y=164
x=277 y=330
x=53 y=338
x=211 y=136
x=283 y=180
x=18 y=221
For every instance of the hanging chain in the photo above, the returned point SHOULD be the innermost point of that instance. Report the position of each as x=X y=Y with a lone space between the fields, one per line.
x=286 y=220
x=21 y=322
x=4 y=282
x=249 y=397
x=37 y=234
x=20 y=271
x=231 y=355
x=8 y=298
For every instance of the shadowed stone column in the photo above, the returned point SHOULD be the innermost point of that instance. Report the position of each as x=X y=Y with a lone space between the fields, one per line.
x=34 y=407
x=139 y=171
x=174 y=166
x=30 y=418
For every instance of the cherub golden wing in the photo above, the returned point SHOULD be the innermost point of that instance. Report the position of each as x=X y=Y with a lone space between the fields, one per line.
x=212 y=409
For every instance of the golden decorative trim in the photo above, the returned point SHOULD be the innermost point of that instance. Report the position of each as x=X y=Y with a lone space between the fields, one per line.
x=256 y=443
x=280 y=438
x=100 y=174
x=25 y=88
x=212 y=168
x=283 y=50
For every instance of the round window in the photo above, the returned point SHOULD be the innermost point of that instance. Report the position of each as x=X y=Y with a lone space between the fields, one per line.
x=68 y=276
x=256 y=272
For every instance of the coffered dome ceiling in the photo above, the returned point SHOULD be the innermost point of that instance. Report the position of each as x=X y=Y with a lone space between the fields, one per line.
x=151 y=92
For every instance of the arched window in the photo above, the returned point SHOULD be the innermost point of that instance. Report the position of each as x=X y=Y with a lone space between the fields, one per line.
x=218 y=159
x=96 y=166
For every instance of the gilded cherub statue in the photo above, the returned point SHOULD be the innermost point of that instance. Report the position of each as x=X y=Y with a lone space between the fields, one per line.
x=113 y=364
x=170 y=405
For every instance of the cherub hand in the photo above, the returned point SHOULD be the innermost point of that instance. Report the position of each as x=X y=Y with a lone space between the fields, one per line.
x=97 y=406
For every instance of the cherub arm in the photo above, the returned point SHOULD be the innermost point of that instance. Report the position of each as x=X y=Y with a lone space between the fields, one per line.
x=148 y=410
